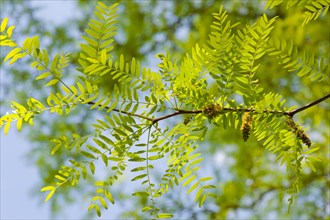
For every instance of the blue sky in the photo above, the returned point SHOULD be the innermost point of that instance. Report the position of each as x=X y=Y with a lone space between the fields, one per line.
x=18 y=178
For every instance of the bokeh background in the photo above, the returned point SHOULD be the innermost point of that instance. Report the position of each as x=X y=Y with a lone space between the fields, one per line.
x=251 y=183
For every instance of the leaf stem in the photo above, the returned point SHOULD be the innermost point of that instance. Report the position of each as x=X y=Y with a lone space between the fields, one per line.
x=148 y=171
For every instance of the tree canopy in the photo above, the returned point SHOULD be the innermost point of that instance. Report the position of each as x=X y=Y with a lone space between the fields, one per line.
x=222 y=116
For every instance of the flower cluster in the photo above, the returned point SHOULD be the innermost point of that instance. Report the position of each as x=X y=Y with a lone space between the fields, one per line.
x=298 y=131
x=247 y=119
x=212 y=110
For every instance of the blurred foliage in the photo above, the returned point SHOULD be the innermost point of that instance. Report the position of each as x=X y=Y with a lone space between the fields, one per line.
x=251 y=183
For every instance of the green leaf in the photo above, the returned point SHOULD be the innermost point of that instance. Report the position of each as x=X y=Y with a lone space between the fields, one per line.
x=139 y=177
x=90 y=41
x=19 y=124
x=121 y=62
x=128 y=128
x=101 y=144
x=98 y=211
x=84 y=172
x=311 y=150
x=120 y=132
x=88 y=50
x=52 y=82
x=109 y=196
x=206 y=179
x=92 y=167
x=115 y=159
x=60 y=178
x=189 y=180
x=94 y=150
x=7 y=42
x=12 y=53
x=208 y=187
x=193 y=187
x=310 y=165
x=50 y=194
x=4 y=24
x=137 y=159
x=310 y=158
x=113 y=7
x=46 y=57
x=112 y=106
x=202 y=200
x=43 y=75
x=136 y=169
x=103 y=203
x=107 y=140
x=156 y=157
x=133 y=62
x=101 y=183
x=146 y=208
x=91 y=66
x=89 y=87
x=92 y=33
x=16 y=57
x=6 y=129
x=92 y=206
x=198 y=194
x=81 y=88
x=54 y=63
x=103 y=56
x=104 y=159
x=141 y=194
x=99 y=191
x=165 y=215
x=104 y=104
x=47 y=188
x=88 y=155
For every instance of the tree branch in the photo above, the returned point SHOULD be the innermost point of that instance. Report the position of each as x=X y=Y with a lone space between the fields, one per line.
x=293 y=112
x=290 y=113
x=181 y=112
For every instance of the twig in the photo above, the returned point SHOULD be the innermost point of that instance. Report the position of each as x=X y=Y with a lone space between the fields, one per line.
x=293 y=112
x=181 y=112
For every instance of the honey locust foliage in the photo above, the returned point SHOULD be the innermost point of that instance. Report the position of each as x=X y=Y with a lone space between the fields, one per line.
x=130 y=132
x=314 y=8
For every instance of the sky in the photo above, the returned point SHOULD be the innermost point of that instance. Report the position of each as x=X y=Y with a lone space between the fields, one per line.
x=18 y=178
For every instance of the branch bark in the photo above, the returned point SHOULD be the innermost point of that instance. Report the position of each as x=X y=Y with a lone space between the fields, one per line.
x=293 y=112
x=181 y=112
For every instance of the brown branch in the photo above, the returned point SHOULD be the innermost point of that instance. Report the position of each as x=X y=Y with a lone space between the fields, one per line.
x=289 y=113
x=181 y=112
x=293 y=112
